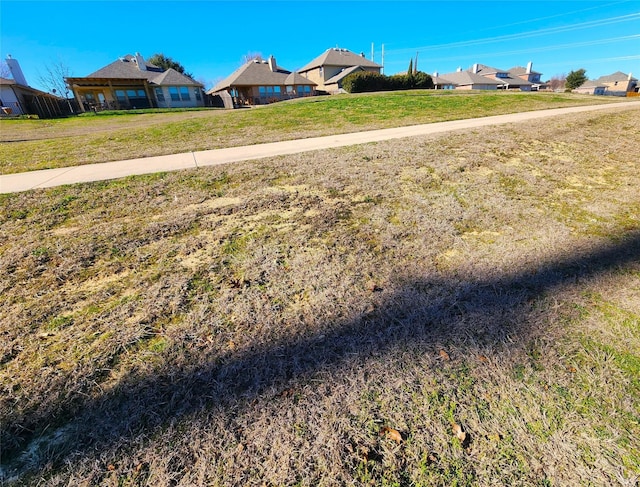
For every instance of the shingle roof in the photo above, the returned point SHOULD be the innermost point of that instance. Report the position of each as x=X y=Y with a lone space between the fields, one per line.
x=617 y=76
x=462 y=78
x=254 y=73
x=518 y=70
x=511 y=79
x=339 y=57
x=296 y=79
x=127 y=67
x=173 y=77
x=342 y=74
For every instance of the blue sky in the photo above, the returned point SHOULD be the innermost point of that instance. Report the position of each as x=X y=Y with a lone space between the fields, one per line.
x=210 y=38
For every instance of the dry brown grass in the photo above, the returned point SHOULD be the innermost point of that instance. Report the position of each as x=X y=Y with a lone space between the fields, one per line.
x=263 y=324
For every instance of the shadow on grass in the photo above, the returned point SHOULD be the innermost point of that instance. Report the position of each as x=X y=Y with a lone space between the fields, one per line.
x=444 y=311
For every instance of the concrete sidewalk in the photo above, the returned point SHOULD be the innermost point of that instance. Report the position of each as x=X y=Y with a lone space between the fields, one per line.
x=12 y=183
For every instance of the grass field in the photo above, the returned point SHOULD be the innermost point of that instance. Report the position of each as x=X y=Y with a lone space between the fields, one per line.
x=27 y=145
x=460 y=309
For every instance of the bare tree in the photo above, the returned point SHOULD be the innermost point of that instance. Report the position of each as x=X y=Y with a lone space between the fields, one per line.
x=557 y=82
x=250 y=56
x=54 y=80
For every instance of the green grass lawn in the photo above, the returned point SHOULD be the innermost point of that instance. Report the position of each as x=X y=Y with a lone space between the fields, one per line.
x=27 y=145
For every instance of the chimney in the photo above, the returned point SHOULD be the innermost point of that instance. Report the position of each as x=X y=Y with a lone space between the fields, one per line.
x=16 y=71
x=273 y=66
x=142 y=65
x=459 y=70
x=629 y=77
x=475 y=68
x=529 y=66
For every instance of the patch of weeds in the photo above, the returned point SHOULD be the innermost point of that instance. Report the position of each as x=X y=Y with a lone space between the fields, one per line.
x=236 y=243
x=60 y=322
x=512 y=186
x=157 y=344
x=200 y=284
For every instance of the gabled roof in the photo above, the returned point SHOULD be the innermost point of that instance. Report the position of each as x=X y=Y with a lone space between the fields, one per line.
x=518 y=70
x=296 y=79
x=339 y=57
x=510 y=78
x=617 y=76
x=463 y=78
x=342 y=74
x=173 y=77
x=126 y=67
x=485 y=70
x=253 y=73
x=592 y=84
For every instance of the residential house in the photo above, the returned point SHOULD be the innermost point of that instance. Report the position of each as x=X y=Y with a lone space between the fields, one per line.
x=330 y=68
x=18 y=98
x=464 y=80
x=618 y=83
x=591 y=87
x=507 y=81
x=441 y=83
x=259 y=82
x=528 y=74
x=131 y=82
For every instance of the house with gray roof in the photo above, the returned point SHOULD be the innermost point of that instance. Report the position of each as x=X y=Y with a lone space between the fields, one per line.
x=528 y=74
x=506 y=80
x=259 y=82
x=330 y=68
x=464 y=80
x=618 y=83
x=615 y=84
x=131 y=82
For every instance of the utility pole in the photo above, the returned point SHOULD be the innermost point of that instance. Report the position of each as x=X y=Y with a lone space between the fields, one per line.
x=372 y=53
x=382 y=59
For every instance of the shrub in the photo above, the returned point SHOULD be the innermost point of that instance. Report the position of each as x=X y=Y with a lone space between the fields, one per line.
x=365 y=81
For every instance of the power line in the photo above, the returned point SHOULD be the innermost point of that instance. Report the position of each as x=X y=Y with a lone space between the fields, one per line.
x=525 y=35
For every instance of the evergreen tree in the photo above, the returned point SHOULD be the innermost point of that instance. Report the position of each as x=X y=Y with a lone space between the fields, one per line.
x=575 y=79
x=165 y=62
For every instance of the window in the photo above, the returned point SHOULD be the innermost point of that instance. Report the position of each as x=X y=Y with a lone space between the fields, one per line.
x=289 y=89
x=197 y=93
x=276 y=89
x=262 y=90
x=173 y=91
x=307 y=89
x=121 y=96
x=159 y=94
x=269 y=90
x=502 y=75
x=131 y=93
x=184 y=93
